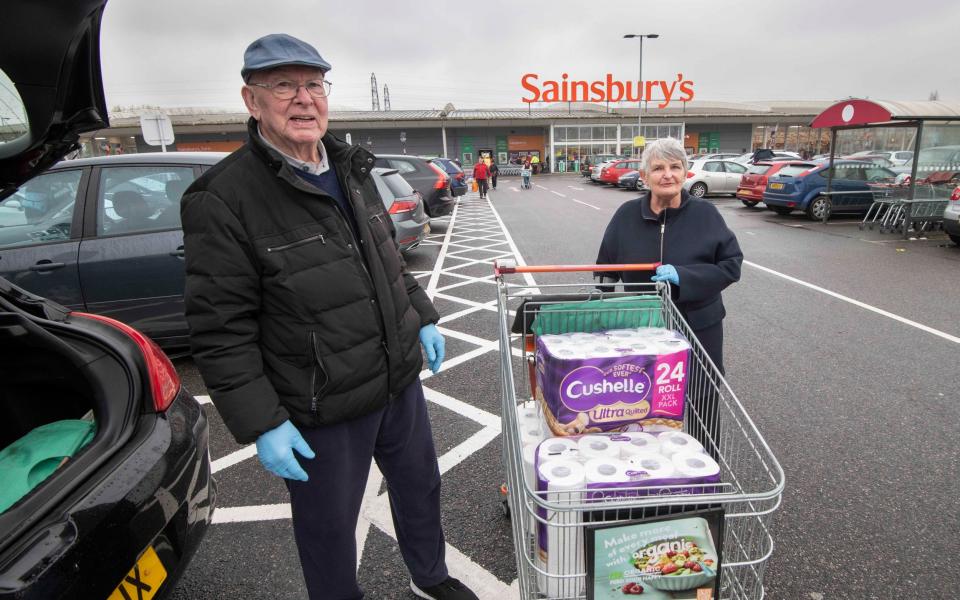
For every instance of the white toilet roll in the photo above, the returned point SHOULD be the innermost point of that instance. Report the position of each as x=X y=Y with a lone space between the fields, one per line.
x=527 y=411
x=656 y=466
x=606 y=470
x=529 y=460
x=672 y=442
x=598 y=446
x=531 y=433
x=695 y=464
x=638 y=442
x=623 y=333
x=564 y=539
x=557 y=447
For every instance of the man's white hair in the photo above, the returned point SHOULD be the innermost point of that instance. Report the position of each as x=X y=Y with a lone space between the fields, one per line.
x=668 y=149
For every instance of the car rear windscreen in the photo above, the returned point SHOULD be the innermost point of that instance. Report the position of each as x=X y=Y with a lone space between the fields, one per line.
x=794 y=170
x=758 y=169
x=398 y=185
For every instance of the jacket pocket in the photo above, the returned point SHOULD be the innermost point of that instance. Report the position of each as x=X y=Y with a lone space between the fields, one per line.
x=295 y=244
x=319 y=377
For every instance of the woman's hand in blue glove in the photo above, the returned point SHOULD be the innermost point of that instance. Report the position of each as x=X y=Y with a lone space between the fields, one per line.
x=667 y=273
x=433 y=345
x=275 y=450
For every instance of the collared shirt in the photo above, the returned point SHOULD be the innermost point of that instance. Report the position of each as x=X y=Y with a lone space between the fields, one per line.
x=313 y=168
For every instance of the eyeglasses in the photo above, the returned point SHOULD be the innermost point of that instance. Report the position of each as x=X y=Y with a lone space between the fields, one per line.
x=285 y=90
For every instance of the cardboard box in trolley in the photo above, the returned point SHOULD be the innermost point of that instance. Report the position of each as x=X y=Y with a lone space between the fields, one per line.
x=623 y=380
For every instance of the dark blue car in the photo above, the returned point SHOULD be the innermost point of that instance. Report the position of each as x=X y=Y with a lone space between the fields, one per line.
x=458 y=182
x=798 y=187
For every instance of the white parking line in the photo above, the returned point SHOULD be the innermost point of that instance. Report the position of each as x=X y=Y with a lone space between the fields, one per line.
x=575 y=188
x=586 y=204
x=864 y=305
x=233 y=458
x=558 y=193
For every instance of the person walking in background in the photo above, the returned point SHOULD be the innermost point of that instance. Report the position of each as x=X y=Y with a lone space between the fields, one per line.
x=494 y=171
x=480 y=174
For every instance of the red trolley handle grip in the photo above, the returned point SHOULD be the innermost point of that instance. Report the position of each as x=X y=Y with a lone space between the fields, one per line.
x=508 y=267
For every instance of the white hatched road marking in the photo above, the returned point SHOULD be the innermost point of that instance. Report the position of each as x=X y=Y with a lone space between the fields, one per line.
x=474 y=227
x=558 y=193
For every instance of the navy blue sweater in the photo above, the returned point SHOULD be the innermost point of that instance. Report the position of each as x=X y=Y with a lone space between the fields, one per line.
x=696 y=241
x=329 y=183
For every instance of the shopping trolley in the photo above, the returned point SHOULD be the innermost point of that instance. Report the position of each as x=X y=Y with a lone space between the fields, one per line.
x=525 y=174
x=752 y=480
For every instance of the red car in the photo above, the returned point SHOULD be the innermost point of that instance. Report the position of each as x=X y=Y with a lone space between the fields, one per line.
x=754 y=181
x=612 y=172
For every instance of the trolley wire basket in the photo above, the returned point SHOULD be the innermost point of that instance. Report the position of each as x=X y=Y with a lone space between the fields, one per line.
x=751 y=479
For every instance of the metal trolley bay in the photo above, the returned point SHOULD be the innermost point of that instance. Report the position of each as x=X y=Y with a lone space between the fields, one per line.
x=751 y=479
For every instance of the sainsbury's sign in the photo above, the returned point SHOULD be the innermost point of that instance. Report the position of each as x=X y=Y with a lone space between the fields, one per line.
x=605 y=90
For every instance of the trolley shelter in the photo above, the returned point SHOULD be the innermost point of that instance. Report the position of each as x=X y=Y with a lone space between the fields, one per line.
x=917 y=195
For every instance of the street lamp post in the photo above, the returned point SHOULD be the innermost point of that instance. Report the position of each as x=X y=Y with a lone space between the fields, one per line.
x=652 y=36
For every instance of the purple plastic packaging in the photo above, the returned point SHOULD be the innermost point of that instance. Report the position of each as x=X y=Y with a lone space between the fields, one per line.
x=626 y=389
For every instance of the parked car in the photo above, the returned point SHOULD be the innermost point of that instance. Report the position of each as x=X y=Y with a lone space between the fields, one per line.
x=458 y=180
x=611 y=172
x=766 y=154
x=938 y=159
x=597 y=169
x=754 y=181
x=106 y=471
x=951 y=217
x=715 y=156
x=103 y=235
x=431 y=181
x=713 y=177
x=631 y=181
x=877 y=159
x=405 y=207
x=586 y=166
x=799 y=187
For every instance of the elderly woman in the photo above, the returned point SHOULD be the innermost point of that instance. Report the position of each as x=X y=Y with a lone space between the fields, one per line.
x=700 y=256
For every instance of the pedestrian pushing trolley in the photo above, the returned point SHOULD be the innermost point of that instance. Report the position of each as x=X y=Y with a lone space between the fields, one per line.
x=525 y=174
x=751 y=480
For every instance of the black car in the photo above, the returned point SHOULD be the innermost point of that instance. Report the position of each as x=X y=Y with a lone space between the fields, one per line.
x=103 y=455
x=458 y=180
x=431 y=181
x=103 y=235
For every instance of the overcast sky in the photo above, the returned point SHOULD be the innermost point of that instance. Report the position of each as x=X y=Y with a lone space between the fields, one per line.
x=189 y=53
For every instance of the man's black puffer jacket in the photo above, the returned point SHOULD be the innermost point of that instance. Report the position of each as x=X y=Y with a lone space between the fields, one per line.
x=291 y=316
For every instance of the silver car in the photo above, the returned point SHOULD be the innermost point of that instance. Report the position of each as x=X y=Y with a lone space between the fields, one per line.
x=405 y=207
x=707 y=176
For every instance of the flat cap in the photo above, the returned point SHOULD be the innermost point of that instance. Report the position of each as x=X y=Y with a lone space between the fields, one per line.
x=278 y=50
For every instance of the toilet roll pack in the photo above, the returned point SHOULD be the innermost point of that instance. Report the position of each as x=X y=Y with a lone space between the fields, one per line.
x=617 y=380
x=575 y=470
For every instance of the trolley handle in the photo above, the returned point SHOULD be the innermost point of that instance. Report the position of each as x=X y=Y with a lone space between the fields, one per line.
x=508 y=267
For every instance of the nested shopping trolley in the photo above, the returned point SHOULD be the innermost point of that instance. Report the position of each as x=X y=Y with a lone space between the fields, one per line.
x=751 y=479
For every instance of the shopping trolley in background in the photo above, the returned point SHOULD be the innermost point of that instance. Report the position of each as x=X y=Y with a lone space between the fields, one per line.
x=752 y=480
x=525 y=174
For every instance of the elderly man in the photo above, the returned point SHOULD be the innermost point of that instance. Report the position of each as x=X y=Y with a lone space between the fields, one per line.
x=305 y=325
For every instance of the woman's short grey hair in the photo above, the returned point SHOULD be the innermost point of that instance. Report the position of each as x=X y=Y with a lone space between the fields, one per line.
x=668 y=149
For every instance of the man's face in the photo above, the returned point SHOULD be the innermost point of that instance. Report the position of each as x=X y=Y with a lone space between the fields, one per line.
x=298 y=122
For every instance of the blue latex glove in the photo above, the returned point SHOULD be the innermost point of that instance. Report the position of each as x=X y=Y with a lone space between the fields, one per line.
x=275 y=450
x=667 y=273
x=433 y=345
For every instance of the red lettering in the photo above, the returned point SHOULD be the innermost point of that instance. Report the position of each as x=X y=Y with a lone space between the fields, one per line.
x=532 y=88
x=611 y=85
x=550 y=92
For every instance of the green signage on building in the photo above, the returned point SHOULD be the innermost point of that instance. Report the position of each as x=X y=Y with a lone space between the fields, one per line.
x=709 y=141
x=466 y=149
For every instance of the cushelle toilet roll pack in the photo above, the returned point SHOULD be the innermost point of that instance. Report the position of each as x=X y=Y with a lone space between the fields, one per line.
x=608 y=424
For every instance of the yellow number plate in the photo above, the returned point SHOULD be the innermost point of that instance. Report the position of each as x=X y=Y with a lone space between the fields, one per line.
x=143 y=580
x=776 y=186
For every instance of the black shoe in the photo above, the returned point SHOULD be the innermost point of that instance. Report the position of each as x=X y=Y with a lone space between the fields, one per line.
x=448 y=589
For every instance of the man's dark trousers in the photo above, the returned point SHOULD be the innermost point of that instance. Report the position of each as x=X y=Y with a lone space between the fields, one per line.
x=326 y=507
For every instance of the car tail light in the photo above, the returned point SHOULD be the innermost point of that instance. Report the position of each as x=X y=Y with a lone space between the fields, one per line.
x=690 y=174
x=442 y=178
x=955 y=196
x=164 y=381
x=402 y=206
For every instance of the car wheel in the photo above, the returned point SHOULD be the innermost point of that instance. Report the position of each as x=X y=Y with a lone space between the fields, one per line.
x=698 y=189
x=781 y=210
x=749 y=203
x=819 y=208
x=954 y=238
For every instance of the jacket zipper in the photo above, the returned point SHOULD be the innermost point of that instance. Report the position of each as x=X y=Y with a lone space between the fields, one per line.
x=313 y=238
x=318 y=366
